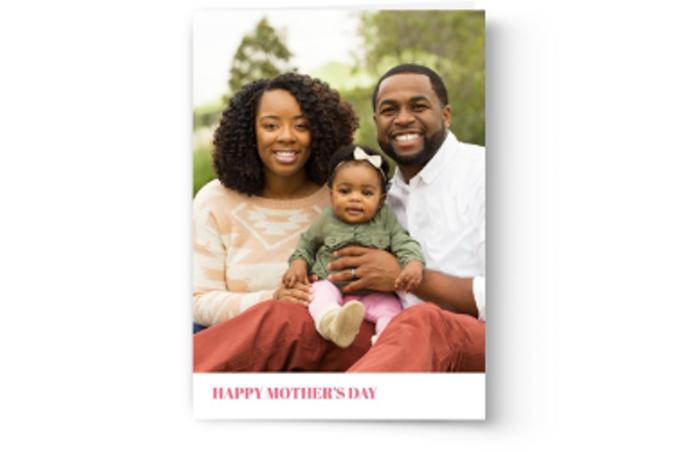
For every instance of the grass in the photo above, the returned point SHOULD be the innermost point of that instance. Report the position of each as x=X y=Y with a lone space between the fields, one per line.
x=202 y=169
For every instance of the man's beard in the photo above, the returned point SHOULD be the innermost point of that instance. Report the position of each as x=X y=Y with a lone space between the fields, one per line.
x=431 y=146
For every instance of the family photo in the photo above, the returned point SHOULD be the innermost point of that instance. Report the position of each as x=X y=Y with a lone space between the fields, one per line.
x=338 y=219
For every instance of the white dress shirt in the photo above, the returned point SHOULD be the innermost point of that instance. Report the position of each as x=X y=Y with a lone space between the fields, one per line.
x=443 y=208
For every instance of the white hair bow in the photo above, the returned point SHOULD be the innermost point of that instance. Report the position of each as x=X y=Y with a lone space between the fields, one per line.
x=360 y=154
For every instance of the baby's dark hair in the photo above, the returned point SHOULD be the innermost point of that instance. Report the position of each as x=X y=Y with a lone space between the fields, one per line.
x=345 y=154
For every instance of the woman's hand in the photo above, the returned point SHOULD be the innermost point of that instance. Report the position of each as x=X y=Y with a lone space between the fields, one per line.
x=374 y=269
x=300 y=293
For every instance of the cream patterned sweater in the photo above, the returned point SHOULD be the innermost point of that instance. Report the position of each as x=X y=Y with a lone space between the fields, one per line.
x=241 y=246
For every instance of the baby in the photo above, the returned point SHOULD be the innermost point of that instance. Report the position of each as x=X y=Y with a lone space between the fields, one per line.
x=357 y=216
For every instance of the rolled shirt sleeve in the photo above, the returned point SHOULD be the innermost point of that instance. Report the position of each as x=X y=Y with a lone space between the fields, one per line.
x=479 y=295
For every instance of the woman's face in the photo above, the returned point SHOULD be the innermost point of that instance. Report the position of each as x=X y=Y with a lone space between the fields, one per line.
x=283 y=135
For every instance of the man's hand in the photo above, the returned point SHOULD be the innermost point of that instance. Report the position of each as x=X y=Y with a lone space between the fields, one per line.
x=299 y=294
x=411 y=276
x=297 y=273
x=374 y=269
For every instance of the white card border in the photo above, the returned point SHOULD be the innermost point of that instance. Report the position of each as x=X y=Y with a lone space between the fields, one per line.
x=397 y=396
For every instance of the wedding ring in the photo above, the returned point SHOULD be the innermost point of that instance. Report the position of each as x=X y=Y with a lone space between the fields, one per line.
x=353 y=275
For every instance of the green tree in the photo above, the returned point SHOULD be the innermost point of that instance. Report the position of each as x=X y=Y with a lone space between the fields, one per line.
x=262 y=54
x=450 y=42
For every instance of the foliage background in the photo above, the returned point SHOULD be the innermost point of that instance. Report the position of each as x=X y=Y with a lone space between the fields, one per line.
x=451 y=42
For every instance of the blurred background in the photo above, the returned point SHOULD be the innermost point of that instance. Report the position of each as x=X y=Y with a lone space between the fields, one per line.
x=347 y=49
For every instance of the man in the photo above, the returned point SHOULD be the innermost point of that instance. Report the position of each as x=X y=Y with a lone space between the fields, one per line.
x=438 y=193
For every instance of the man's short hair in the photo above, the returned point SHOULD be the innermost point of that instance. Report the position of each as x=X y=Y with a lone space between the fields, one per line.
x=436 y=82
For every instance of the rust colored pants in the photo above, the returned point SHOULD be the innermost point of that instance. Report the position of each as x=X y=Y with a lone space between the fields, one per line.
x=278 y=336
x=273 y=336
x=426 y=338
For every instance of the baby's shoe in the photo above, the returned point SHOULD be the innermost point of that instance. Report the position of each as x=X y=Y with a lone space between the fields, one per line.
x=342 y=325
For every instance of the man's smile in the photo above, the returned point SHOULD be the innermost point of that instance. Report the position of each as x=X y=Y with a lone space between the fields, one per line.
x=404 y=137
x=407 y=140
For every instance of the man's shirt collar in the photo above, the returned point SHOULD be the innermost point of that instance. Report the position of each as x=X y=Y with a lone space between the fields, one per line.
x=435 y=167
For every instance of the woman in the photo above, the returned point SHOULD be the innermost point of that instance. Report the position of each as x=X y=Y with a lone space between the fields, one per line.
x=271 y=152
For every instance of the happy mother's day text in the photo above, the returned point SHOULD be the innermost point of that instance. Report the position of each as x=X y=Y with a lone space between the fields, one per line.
x=285 y=393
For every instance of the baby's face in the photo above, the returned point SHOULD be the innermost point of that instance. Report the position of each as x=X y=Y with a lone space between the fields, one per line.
x=356 y=192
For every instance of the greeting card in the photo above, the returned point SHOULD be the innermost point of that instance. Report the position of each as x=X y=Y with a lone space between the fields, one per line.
x=338 y=214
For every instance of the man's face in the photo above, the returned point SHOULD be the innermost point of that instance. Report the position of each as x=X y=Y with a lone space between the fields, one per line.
x=411 y=122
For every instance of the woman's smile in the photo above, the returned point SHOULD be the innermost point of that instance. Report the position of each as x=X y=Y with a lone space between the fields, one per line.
x=286 y=157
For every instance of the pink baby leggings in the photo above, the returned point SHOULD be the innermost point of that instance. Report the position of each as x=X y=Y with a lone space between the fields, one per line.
x=380 y=307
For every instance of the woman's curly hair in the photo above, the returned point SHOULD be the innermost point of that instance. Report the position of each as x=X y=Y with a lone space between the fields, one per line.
x=331 y=124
